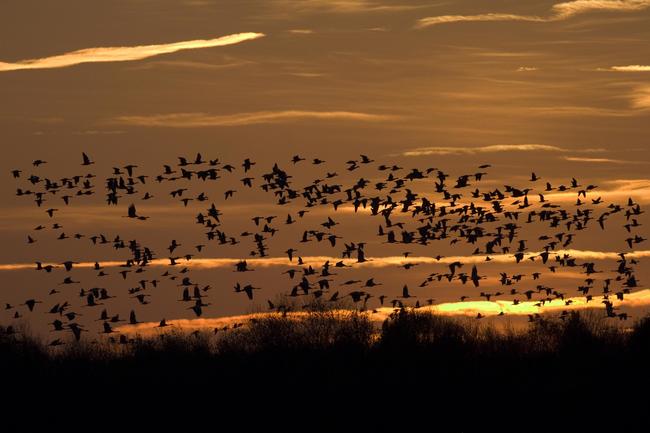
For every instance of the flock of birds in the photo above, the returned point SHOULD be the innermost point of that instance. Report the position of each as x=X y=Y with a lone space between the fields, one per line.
x=489 y=221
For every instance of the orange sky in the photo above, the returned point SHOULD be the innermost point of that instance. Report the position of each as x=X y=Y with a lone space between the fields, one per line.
x=558 y=88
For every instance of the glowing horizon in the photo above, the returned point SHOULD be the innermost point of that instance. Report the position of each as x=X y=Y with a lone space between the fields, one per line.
x=637 y=299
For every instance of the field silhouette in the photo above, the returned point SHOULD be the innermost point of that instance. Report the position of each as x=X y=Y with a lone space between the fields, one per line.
x=559 y=371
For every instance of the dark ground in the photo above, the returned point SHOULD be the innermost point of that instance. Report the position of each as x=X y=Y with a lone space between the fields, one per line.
x=335 y=373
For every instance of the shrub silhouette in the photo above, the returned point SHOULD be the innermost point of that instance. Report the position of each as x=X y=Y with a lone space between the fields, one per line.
x=317 y=331
x=408 y=330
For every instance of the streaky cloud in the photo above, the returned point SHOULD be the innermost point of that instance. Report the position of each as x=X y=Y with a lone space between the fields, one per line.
x=447 y=19
x=569 y=9
x=191 y=65
x=124 y=54
x=301 y=31
x=559 y=12
x=631 y=68
x=340 y=6
x=640 y=298
x=641 y=98
x=194 y=120
x=599 y=160
x=617 y=189
x=372 y=262
x=448 y=150
x=583 y=111
x=527 y=69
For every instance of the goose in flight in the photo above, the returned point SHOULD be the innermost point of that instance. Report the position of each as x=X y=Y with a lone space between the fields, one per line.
x=31 y=303
x=163 y=323
x=132 y=213
x=86 y=159
x=132 y=318
x=248 y=289
x=108 y=329
x=405 y=292
x=475 y=276
x=76 y=330
x=248 y=164
x=289 y=253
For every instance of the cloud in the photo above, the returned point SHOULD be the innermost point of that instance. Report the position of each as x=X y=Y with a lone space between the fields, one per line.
x=569 y=9
x=617 y=189
x=637 y=299
x=445 y=150
x=630 y=68
x=639 y=189
x=301 y=31
x=559 y=12
x=307 y=74
x=641 y=97
x=373 y=262
x=98 y=132
x=527 y=69
x=599 y=160
x=188 y=325
x=446 y=19
x=339 y=6
x=191 y=65
x=193 y=120
x=123 y=54
x=577 y=110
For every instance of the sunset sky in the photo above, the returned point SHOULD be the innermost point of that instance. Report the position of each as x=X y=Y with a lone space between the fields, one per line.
x=561 y=89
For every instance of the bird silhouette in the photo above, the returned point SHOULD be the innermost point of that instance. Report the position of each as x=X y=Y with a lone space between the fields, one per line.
x=86 y=159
